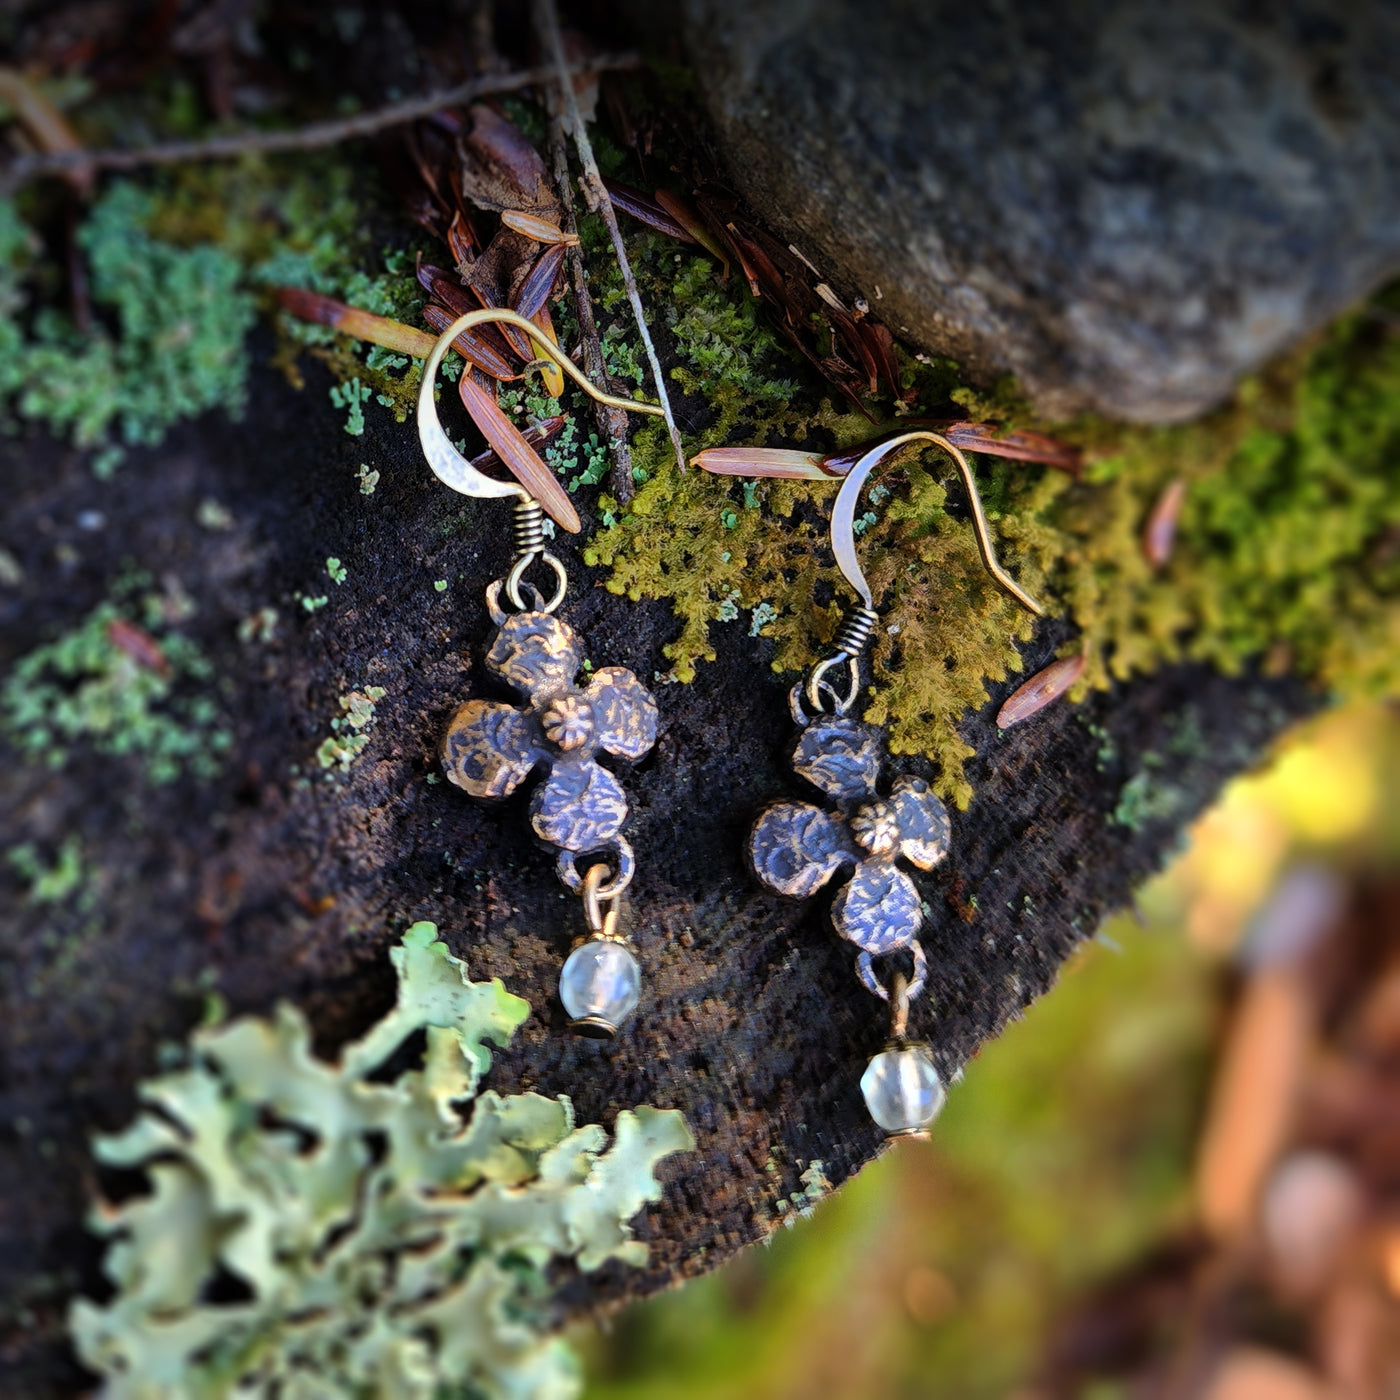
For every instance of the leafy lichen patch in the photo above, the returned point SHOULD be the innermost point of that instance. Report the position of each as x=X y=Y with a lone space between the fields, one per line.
x=179 y=317
x=383 y=1235
x=121 y=689
x=351 y=728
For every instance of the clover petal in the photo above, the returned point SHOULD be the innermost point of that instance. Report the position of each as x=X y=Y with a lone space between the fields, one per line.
x=879 y=910
x=624 y=712
x=924 y=830
x=489 y=748
x=581 y=807
x=796 y=848
x=535 y=652
x=839 y=756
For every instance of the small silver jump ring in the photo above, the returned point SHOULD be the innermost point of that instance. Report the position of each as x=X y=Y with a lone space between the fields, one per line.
x=865 y=970
x=567 y=868
x=517 y=574
x=817 y=684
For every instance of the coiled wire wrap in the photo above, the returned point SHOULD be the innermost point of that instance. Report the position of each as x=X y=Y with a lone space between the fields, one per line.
x=527 y=545
x=851 y=637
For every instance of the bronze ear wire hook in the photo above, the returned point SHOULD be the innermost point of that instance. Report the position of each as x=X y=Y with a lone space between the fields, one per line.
x=843 y=515
x=860 y=622
x=449 y=466
x=490 y=747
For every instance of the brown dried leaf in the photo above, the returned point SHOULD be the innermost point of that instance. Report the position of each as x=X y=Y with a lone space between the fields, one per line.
x=139 y=645
x=537 y=435
x=500 y=169
x=45 y=125
x=363 y=325
x=688 y=217
x=535 y=290
x=471 y=346
x=880 y=343
x=645 y=210
x=532 y=226
x=973 y=437
x=776 y=462
x=1159 y=534
x=462 y=240
x=1042 y=688
x=521 y=460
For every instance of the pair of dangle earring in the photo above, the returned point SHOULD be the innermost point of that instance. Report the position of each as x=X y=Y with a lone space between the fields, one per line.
x=797 y=847
x=491 y=747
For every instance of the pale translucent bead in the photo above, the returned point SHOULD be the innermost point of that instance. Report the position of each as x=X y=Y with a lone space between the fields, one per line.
x=902 y=1090
x=600 y=983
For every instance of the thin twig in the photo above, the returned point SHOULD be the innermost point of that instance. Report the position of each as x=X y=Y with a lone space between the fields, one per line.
x=612 y=422
x=546 y=25
x=329 y=133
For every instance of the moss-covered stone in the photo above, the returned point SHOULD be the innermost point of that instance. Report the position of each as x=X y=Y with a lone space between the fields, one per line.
x=1285 y=547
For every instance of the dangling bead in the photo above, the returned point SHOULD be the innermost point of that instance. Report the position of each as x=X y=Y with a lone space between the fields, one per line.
x=599 y=986
x=903 y=1091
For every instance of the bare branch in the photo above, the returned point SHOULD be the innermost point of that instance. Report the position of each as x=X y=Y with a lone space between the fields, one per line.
x=328 y=133
x=546 y=23
x=612 y=422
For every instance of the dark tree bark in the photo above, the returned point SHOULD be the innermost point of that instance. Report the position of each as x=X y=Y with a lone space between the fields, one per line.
x=278 y=881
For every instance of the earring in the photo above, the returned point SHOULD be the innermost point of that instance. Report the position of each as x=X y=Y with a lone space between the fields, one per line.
x=490 y=747
x=796 y=847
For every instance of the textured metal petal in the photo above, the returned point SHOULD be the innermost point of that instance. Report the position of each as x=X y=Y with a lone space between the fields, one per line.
x=536 y=652
x=839 y=756
x=489 y=748
x=924 y=830
x=581 y=807
x=796 y=848
x=879 y=910
x=624 y=712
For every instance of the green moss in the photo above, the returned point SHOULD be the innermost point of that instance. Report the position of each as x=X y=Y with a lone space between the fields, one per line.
x=84 y=691
x=381 y=1234
x=176 y=267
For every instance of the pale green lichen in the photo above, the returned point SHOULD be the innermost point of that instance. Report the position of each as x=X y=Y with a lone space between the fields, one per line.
x=321 y=1230
x=50 y=884
x=351 y=728
x=85 y=691
x=176 y=265
x=179 y=318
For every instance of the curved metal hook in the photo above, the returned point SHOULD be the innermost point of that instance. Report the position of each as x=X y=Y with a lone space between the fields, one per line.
x=449 y=466
x=843 y=518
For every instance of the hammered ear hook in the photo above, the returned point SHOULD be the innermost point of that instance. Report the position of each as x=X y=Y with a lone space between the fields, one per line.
x=855 y=630
x=454 y=470
x=843 y=516
x=449 y=466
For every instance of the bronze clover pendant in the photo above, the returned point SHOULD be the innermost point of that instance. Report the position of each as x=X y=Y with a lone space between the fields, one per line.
x=796 y=847
x=490 y=747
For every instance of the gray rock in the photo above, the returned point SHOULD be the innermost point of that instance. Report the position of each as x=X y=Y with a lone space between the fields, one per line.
x=1127 y=204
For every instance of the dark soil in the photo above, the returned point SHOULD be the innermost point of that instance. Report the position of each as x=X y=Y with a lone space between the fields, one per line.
x=280 y=881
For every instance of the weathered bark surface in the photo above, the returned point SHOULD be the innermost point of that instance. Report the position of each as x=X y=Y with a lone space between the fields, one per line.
x=1125 y=204
x=752 y=1021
